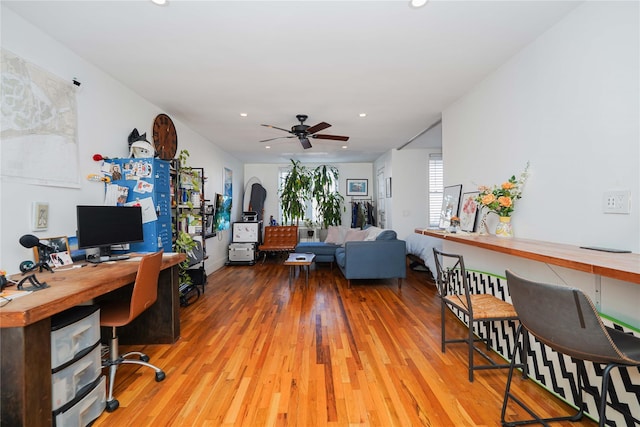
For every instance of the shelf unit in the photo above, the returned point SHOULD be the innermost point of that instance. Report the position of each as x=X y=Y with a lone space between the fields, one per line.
x=190 y=214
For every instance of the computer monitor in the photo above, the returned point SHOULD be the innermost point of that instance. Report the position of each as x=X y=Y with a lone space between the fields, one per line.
x=104 y=226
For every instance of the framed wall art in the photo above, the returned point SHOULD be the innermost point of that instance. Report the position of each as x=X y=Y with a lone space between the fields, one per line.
x=357 y=187
x=40 y=216
x=469 y=211
x=450 y=204
x=59 y=254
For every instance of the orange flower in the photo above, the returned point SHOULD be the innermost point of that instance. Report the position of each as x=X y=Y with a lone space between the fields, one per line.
x=487 y=199
x=508 y=185
x=505 y=201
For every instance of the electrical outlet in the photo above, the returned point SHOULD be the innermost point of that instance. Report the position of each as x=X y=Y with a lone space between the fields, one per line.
x=617 y=202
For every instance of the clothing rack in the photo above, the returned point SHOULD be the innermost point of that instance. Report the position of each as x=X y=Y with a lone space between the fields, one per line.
x=362 y=212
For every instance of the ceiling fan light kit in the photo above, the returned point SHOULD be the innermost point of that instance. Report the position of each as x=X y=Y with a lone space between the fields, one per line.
x=304 y=132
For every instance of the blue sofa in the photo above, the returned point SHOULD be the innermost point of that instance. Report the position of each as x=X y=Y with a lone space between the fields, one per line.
x=325 y=252
x=383 y=258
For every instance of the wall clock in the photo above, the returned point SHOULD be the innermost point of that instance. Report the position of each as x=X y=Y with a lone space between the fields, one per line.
x=165 y=138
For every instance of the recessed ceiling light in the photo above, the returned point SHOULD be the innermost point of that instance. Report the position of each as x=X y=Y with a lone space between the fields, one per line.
x=243 y=114
x=267 y=146
x=160 y=2
x=344 y=146
x=363 y=114
x=418 y=3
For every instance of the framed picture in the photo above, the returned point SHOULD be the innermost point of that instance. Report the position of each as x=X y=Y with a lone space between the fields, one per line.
x=469 y=211
x=388 y=187
x=59 y=254
x=357 y=187
x=450 y=204
x=40 y=216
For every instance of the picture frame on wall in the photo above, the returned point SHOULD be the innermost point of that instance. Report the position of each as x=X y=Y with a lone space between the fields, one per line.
x=388 y=187
x=40 y=216
x=469 y=211
x=357 y=187
x=450 y=204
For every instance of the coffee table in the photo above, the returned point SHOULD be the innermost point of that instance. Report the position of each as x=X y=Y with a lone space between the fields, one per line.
x=299 y=260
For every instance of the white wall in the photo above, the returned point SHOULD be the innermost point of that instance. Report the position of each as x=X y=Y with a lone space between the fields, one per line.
x=107 y=113
x=569 y=104
x=268 y=176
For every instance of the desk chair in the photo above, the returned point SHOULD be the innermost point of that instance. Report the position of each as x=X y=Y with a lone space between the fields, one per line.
x=565 y=319
x=477 y=308
x=118 y=313
x=279 y=238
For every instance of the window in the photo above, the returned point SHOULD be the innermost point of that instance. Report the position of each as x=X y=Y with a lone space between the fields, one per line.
x=436 y=188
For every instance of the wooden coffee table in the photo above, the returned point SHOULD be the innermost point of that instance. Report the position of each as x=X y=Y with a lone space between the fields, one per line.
x=299 y=260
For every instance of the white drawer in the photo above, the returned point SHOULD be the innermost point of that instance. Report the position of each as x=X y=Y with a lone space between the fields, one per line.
x=72 y=331
x=68 y=382
x=85 y=410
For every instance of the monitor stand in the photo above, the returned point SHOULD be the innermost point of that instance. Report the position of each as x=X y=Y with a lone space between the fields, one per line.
x=106 y=255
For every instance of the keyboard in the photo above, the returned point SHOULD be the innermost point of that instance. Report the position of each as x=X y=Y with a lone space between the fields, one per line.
x=118 y=257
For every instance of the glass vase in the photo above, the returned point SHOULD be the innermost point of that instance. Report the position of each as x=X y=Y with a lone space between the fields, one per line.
x=504 y=228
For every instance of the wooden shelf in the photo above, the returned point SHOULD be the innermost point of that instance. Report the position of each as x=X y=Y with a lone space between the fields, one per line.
x=620 y=266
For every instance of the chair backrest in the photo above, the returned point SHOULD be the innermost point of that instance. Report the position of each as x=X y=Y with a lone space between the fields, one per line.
x=280 y=238
x=563 y=318
x=145 y=288
x=445 y=277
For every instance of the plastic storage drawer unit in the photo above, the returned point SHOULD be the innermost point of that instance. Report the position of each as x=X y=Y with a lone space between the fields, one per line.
x=69 y=380
x=72 y=331
x=85 y=409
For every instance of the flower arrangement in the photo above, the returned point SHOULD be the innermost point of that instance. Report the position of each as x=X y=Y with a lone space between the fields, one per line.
x=500 y=199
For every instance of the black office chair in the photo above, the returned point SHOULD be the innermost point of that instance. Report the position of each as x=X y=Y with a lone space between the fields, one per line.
x=478 y=309
x=565 y=319
x=117 y=313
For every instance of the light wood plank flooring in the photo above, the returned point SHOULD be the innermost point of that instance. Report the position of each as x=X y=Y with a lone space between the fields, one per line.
x=255 y=353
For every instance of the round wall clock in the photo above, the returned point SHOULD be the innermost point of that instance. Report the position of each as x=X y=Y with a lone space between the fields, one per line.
x=165 y=138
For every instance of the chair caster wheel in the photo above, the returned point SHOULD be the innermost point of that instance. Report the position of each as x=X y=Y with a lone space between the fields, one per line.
x=144 y=358
x=160 y=376
x=112 y=405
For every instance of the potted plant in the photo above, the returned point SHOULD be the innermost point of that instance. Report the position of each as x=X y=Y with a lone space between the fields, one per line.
x=295 y=192
x=311 y=226
x=330 y=203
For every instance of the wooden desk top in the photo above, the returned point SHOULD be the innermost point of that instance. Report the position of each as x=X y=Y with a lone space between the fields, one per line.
x=68 y=288
x=620 y=266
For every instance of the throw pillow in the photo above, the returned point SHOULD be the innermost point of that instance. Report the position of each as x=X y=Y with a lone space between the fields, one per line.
x=387 y=235
x=355 y=235
x=335 y=235
x=372 y=232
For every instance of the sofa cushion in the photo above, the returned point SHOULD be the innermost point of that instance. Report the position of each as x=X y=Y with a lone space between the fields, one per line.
x=340 y=257
x=355 y=235
x=387 y=235
x=372 y=232
x=335 y=235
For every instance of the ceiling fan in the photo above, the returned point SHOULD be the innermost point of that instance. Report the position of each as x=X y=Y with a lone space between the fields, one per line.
x=304 y=132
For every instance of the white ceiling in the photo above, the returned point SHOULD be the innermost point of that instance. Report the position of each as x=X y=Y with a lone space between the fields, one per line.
x=205 y=62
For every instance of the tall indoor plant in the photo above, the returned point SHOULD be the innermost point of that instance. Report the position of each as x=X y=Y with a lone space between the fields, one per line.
x=329 y=205
x=295 y=192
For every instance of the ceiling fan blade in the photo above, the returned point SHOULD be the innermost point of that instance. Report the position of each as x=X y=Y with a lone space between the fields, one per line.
x=305 y=143
x=278 y=137
x=333 y=137
x=276 y=127
x=317 y=128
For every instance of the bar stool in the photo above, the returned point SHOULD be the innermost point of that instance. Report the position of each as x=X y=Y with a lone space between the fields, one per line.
x=565 y=319
x=478 y=308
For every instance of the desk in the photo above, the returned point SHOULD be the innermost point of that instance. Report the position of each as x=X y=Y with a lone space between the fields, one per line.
x=610 y=279
x=25 y=330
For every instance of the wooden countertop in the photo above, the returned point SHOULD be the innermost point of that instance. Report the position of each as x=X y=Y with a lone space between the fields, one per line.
x=68 y=288
x=625 y=266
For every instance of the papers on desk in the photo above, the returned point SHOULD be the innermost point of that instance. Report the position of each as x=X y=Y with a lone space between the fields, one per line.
x=13 y=294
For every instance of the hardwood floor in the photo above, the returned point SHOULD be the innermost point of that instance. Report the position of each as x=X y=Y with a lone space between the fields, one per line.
x=255 y=353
